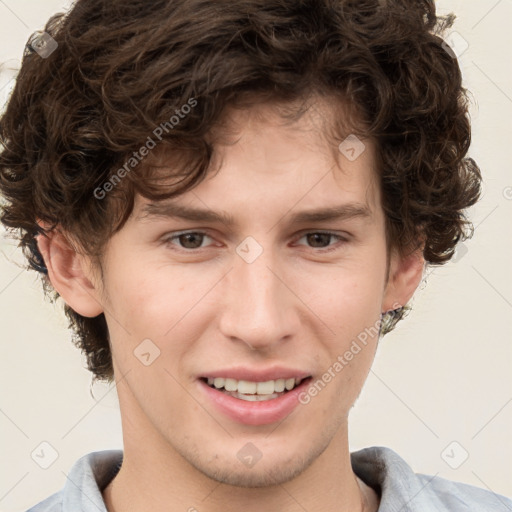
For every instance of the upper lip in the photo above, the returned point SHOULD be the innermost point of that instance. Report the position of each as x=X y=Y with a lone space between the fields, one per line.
x=257 y=375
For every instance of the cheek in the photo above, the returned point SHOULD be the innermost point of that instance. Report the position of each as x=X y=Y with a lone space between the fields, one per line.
x=167 y=305
x=348 y=348
x=348 y=302
x=143 y=293
x=346 y=297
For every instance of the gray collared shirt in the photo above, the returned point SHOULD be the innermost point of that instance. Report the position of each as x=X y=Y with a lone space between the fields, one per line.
x=400 y=489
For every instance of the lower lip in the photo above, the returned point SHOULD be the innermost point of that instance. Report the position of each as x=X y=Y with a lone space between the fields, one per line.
x=255 y=413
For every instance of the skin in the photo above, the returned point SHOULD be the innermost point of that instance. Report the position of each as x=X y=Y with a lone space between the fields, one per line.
x=295 y=305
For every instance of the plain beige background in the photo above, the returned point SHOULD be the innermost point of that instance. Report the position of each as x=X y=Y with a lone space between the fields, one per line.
x=441 y=385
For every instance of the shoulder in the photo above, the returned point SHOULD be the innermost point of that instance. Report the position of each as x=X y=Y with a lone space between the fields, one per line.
x=82 y=491
x=458 y=496
x=402 y=489
x=51 y=504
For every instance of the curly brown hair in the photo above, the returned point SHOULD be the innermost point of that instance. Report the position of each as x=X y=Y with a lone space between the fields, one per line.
x=124 y=67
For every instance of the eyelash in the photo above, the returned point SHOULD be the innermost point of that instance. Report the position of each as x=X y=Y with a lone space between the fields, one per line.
x=167 y=240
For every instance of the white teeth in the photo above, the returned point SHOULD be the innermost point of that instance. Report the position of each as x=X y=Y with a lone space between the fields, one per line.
x=279 y=385
x=289 y=384
x=253 y=398
x=267 y=388
x=230 y=385
x=246 y=387
x=264 y=388
x=218 y=382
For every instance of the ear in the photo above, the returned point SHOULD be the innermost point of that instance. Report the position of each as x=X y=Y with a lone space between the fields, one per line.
x=68 y=272
x=405 y=273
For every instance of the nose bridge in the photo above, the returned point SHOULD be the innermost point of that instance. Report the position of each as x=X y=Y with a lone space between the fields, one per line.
x=256 y=306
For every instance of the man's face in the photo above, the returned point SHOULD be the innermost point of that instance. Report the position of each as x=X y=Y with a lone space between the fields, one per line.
x=267 y=294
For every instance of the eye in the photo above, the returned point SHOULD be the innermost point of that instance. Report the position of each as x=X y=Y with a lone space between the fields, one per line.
x=188 y=240
x=321 y=239
x=193 y=240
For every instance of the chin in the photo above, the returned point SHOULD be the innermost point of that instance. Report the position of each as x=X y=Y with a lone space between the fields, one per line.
x=268 y=475
x=275 y=467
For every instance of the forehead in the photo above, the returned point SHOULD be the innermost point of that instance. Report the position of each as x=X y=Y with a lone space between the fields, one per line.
x=325 y=119
x=268 y=155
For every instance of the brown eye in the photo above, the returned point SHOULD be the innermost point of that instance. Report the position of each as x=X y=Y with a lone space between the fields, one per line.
x=191 y=240
x=321 y=240
x=187 y=241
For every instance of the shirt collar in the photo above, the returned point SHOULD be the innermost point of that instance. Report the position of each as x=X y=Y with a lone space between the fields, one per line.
x=87 y=479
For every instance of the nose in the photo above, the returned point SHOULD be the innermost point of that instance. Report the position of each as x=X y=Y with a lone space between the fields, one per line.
x=258 y=306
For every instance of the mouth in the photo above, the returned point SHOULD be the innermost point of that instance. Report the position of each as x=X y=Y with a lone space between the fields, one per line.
x=252 y=391
x=253 y=396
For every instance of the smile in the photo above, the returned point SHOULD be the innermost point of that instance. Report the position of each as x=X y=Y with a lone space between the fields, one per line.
x=251 y=402
x=253 y=391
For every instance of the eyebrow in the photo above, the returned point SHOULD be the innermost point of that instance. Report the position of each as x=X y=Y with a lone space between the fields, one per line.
x=168 y=209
